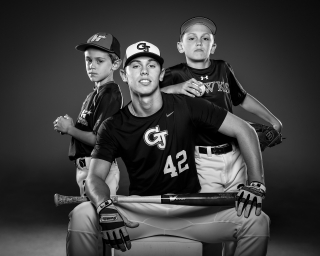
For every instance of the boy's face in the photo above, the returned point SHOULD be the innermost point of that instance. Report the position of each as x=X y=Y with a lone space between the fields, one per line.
x=98 y=65
x=197 y=43
x=143 y=75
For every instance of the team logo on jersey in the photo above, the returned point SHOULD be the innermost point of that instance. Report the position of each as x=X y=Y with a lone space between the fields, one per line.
x=222 y=86
x=154 y=136
x=143 y=46
x=82 y=117
x=204 y=77
x=97 y=37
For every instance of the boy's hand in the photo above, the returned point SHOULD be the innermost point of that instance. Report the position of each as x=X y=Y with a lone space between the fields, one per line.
x=113 y=228
x=62 y=124
x=249 y=198
x=191 y=88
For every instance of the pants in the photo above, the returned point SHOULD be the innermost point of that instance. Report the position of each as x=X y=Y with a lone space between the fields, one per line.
x=205 y=224
x=112 y=179
x=220 y=173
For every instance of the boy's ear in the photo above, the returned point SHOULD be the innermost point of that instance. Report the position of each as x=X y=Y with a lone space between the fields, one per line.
x=116 y=64
x=180 y=47
x=123 y=75
x=213 y=48
x=163 y=71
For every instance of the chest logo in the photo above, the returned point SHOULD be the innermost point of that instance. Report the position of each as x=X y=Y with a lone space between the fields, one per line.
x=204 y=77
x=82 y=117
x=220 y=85
x=154 y=136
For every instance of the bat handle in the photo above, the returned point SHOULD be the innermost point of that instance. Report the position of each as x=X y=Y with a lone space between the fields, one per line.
x=60 y=199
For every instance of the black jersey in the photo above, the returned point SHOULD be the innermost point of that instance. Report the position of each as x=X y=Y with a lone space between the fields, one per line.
x=222 y=88
x=158 y=150
x=100 y=104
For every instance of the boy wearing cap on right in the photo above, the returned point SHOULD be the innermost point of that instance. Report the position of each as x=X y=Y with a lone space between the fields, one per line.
x=220 y=165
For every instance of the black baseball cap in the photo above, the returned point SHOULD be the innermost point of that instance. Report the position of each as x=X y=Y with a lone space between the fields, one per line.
x=198 y=20
x=103 y=41
x=142 y=48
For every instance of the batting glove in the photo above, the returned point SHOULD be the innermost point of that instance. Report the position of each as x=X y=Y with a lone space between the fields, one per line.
x=113 y=228
x=250 y=197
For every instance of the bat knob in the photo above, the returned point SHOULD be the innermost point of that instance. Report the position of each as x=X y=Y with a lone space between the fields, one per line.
x=56 y=199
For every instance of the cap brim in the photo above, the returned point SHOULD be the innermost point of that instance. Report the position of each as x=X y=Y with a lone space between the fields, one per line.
x=83 y=47
x=158 y=58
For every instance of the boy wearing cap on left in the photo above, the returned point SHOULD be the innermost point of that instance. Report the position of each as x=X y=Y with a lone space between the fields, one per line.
x=102 y=58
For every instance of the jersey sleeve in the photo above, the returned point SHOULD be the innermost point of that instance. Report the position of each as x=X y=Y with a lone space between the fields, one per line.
x=105 y=147
x=167 y=79
x=205 y=114
x=109 y=104
x=238 y=94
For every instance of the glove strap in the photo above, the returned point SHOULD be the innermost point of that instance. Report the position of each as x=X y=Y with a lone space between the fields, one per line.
x=104 y=205
x=258 y=185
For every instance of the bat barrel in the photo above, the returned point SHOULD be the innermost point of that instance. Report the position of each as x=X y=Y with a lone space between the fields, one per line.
x=201 y=199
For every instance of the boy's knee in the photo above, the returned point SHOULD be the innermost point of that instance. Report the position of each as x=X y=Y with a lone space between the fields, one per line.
x=256 y=225
x=83 y=218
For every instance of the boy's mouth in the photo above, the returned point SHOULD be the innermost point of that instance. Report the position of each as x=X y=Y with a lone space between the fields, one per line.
x=145 y=81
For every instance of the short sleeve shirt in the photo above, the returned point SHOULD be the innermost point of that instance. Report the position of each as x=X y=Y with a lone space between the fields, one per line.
x=222 y=88
x=100 y=104
x=158 y=150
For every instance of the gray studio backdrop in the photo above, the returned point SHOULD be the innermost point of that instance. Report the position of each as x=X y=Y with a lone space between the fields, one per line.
x=272 y=47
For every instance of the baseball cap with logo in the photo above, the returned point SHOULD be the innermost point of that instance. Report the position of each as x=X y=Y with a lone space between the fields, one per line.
x=103 y=41
x=198 y=20
x=142 y=48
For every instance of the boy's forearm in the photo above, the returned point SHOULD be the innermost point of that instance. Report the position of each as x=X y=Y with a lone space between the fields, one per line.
x=97 y=190
x=253 y=106
x=250 y=150
x=171 y=89
x=88 y=138
x=248 y=141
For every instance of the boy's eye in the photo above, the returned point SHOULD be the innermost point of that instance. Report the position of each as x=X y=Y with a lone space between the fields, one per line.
x=191 y=38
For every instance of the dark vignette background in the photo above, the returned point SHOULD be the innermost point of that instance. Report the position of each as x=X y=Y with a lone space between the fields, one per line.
x=272 y=46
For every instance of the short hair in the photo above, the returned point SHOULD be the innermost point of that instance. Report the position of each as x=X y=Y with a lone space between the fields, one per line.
x=114 y=57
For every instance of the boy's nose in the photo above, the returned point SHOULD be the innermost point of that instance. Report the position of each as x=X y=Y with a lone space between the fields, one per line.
x=144 y=71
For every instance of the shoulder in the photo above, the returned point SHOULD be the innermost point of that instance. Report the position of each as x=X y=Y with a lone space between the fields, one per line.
x=110 y=88
x=176 y=68
x=181 y=101
x=219 y=62
x=114 y=120
x=223 y=65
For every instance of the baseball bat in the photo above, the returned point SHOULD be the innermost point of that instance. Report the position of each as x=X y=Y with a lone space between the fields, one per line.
x=195 y=199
